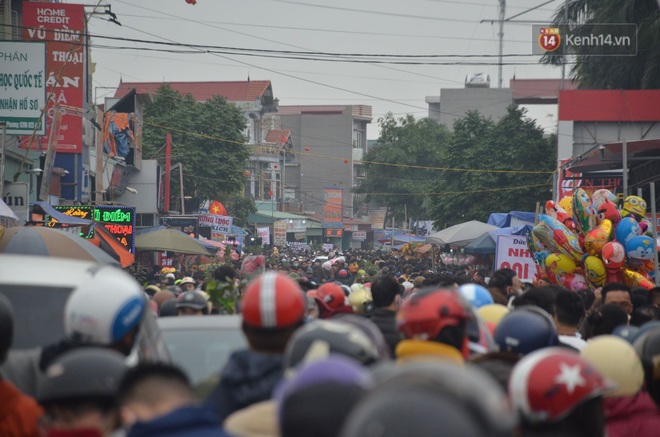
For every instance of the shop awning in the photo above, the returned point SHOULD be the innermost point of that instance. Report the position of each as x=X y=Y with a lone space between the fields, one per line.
x=61 y=218
x=604 y=157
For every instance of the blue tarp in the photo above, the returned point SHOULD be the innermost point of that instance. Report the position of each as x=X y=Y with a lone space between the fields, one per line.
x=515 y=218
x=399 y=236
x=487 y=243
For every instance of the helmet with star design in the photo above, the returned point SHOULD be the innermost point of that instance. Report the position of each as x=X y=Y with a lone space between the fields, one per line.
x=548 y=385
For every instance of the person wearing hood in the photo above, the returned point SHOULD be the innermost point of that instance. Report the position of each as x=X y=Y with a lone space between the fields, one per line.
x=331 y=300
x=156 y=399
x=629 y=410
x=273 y=307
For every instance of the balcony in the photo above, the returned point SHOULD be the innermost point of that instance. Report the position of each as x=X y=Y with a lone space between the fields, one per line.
x=357 y=154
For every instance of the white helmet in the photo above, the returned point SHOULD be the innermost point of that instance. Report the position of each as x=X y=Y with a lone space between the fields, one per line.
x=103 y=309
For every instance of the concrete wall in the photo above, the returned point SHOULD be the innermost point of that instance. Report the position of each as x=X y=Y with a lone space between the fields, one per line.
x=454 y=103
x=329 y=139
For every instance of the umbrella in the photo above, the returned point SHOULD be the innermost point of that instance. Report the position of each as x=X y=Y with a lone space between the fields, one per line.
x=7 y=216
x=482 y=245
x=460 y=235
x=170 y=240
x=44 y=241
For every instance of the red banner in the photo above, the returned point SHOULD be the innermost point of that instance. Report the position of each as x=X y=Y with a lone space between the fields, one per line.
x=333 y=208
x=62 y=27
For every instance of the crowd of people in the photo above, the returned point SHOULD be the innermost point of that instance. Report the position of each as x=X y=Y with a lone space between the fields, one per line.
x=352 y=344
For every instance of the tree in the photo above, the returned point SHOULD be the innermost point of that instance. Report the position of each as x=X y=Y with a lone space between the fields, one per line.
x=492 y=167
x=239 y=207
x=612 y=72
x=404 y=144
x=207 y=138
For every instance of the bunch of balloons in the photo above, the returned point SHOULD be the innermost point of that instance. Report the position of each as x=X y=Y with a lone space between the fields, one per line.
x=585 y=242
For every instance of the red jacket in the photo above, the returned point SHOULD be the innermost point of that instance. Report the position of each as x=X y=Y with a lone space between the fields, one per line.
x=19 y=413
x=635 y=416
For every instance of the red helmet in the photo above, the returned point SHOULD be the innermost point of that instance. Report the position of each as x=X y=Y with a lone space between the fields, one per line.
x=273 y=300
x=330 y=295
x=425 y=314
x=548 y=384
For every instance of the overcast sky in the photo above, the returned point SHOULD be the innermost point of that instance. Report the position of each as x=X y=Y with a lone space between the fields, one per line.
x=410 y=27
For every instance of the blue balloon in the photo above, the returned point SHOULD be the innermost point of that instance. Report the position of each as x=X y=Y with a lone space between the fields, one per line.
x=626 y=230
x=640 y=247
x=477 y=295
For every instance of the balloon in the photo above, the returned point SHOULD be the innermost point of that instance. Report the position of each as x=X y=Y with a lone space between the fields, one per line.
x=640 y=247
x=594 y=270
x=564 y=239
x=557 y=212
x=613 y=276
x=583 y=211
x=545 y=236
x=608 y=211
x=634 y=207
x=626 y=230
x=551 y=208
x=614 y=255
x=560 y=264
x=567 y=204
x=597 y=237
x=602 y=195
x=635 y=279
x=645 y=227
x=575 y=282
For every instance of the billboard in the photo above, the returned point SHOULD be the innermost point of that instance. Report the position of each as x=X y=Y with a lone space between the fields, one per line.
x=188 y=224
x=279 y=233
x=218 y=223
x=62 y=27
x=23 y=85
x=513 y=253
x=333 y=208
x=120 y=222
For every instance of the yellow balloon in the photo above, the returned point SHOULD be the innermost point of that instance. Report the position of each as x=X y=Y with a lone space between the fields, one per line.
x=594 y=270
x=567 y=204
x=560 y=264
x=493 y=312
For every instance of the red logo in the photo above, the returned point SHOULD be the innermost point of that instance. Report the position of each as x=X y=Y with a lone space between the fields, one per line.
x=549 y=39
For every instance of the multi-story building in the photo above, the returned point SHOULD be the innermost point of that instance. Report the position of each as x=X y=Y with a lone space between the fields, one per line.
x=328 y=143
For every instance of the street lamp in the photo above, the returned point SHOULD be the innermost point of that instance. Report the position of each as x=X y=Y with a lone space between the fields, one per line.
x=31 y=171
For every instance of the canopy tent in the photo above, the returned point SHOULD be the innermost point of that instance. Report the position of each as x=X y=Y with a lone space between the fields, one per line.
x=7 y=216
x=460 y=235
x=170 y=240
x=511 y=219
x=486 y=243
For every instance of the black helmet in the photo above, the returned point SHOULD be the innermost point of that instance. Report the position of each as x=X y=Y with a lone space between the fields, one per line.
x=192 y=299
x=432 y=398
x=88 y=373
x=370 y=329
x=6 y=326
x=647 y=347
x=175 y=289
x=526 y=329
x=168 y=308
x=319 y=338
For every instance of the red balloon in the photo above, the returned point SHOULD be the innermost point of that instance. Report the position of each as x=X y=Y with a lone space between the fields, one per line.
x=191 y=2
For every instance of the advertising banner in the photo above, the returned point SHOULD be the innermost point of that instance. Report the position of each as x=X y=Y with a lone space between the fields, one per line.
x=17 y=199
x=120 y=222
x=512 y=253
x=62 y=27
x=359 y=235
x=264 y=234
x=23 y=85
x=296 y=225
x=333 y=210
x=279 y=233
x=187 y=224
x=218 y=223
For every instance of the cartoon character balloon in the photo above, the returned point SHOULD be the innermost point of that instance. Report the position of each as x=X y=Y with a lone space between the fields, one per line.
x=634 y=207
x=583 y=211
x=574 y=282
x=608 y=210
x=560 y=264
x=597 y=237
x=602 y=195
x=558 y=213
x=564 y=239
x=614 y=255
x=626 y=230
x=640 y=247
x=567 y=204
x=634 y=279
x=594 y=270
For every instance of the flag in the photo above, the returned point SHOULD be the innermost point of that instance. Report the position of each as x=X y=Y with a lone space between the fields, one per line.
x=217 y=208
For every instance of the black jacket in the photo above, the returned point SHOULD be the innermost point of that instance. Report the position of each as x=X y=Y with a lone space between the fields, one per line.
x=249 y=377
x=386 y=321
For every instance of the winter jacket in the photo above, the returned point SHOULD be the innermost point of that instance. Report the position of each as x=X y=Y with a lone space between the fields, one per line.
x=193 y=421
x=249 y=377
x=386 y=321
x=632 y=416
x=18 y=413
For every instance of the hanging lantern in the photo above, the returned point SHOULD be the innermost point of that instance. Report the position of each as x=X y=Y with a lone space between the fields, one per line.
x=345 y=161
x=306 y=149
x=246 y=174
x=275 y=166
x=191 y=2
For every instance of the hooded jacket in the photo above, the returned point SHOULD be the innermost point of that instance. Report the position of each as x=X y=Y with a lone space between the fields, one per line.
x=631 y=416
x=193 y=421
x=249 y=377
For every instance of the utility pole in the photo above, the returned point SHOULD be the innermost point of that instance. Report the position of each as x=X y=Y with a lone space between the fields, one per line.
x=168 y=167
x=500 y=36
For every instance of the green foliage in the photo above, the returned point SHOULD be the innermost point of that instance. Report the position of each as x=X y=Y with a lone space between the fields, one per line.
x=207 y=138
x=613 y=72
x=407 y=142
x=239 y=207
x=515 y=143
x=224 y=295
